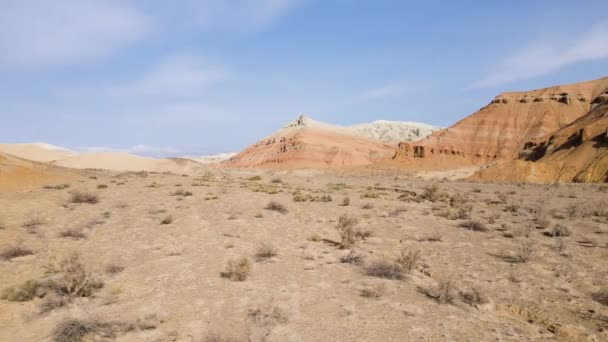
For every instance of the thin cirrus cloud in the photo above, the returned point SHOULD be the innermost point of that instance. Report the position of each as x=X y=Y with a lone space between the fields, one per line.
x=50 y=32
x=542 y=58
x=177 y=76
x=381 y=92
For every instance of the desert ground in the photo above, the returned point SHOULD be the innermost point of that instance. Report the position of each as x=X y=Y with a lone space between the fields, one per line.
x=228 y=255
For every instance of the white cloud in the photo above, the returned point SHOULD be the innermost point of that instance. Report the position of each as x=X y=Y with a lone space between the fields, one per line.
x=381 y=92
x=46 y=32
x=544 y=57
x=238 y=14
x=180 y=76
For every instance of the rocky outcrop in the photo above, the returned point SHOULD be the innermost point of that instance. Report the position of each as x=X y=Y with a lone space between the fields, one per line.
x=575 y=153
x=510 y=126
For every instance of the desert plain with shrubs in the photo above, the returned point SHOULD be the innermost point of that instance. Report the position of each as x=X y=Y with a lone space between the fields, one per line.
x=229 y=255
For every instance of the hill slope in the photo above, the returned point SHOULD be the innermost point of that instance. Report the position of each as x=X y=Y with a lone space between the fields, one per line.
x=499 y=130
x=40 y=152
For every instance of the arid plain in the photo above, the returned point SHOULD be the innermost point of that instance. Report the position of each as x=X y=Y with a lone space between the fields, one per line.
x=240 y=255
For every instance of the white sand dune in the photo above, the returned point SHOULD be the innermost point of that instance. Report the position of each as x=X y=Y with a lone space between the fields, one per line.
x=40 y=152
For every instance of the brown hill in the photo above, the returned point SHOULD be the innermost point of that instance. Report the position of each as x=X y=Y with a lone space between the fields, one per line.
x=498 y=131
x=20 y=174
x=306 y=143
x=578 y=152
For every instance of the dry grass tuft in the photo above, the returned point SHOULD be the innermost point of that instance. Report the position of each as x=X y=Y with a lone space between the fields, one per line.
x=73 y=233
x=278 y=207
x=348 y=234
x=408 y=259
x=10 y=252
x=84 y=197
x=374 y=292
x=384 y=269
x=475 y=226
x=24 y=292
x=265 y=251
x=237 y=270
x=442 y=292
x=345 y=202
x=167 y=220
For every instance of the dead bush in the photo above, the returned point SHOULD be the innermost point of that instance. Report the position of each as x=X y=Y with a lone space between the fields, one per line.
x=237 y=270
x=33 y=222
x=167 y=220
x=70 y=277
x=182 y=193
x=475 y=226
x=254 y=178
x=102 y=186
x=348 y=233
x=10 y=252
x=408 y=259
x=114 y=268
x=269 y=315
x=384 y=269
x=265 y=251
x=442 y=292
x=84 y=197
x=278 y=207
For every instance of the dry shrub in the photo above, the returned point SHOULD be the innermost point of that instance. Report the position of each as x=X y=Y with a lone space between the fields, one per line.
x=384 y=269
x=474 y=226
x=102 y=186
x=542 y=218
x=182 y=193
x=14 y=251
x=278 y=207
x=374 y=292
x=167 y=220
x=431 y=194
x=24 y=292
x=559 y=231
x=442 y=292
x=367 y=206
x=353 y=257
x=408 y=259
x=70 y=277
x=473 y=296
x=370 y=195
x=57 y=187
x=74 y=233
x=76 y=330
x=33 y=222
x=84 y=197
x=268 y=316
x=254 y=178
x=345 y=202
x=396 y=212
x=525 y=251
x=276 y=181
x=237 y=270
x=265 y=251
x=348 y=233
x=114 y=268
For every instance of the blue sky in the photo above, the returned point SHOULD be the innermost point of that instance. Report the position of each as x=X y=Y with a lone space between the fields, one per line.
x=197 y=77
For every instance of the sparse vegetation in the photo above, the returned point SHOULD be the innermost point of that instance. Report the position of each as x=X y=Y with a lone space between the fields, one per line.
x=472 y=296
x=265 y=251
x=23 y=292
x=102 y=186
x=475 y=226
x=443 y=292
x=525 y=251
x=237 y=270
x=384 y=269
x=167 y=220
x=345 y=202
x=348 y=233
x=374 y=292
x=84 y=197
x=10 y=252
x=69 y=277
x=408 y=259
x=275 y=206
x=74 y=233
x=57 y=187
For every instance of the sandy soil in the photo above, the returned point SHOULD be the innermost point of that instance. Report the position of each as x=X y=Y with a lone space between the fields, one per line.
x=170 y=287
